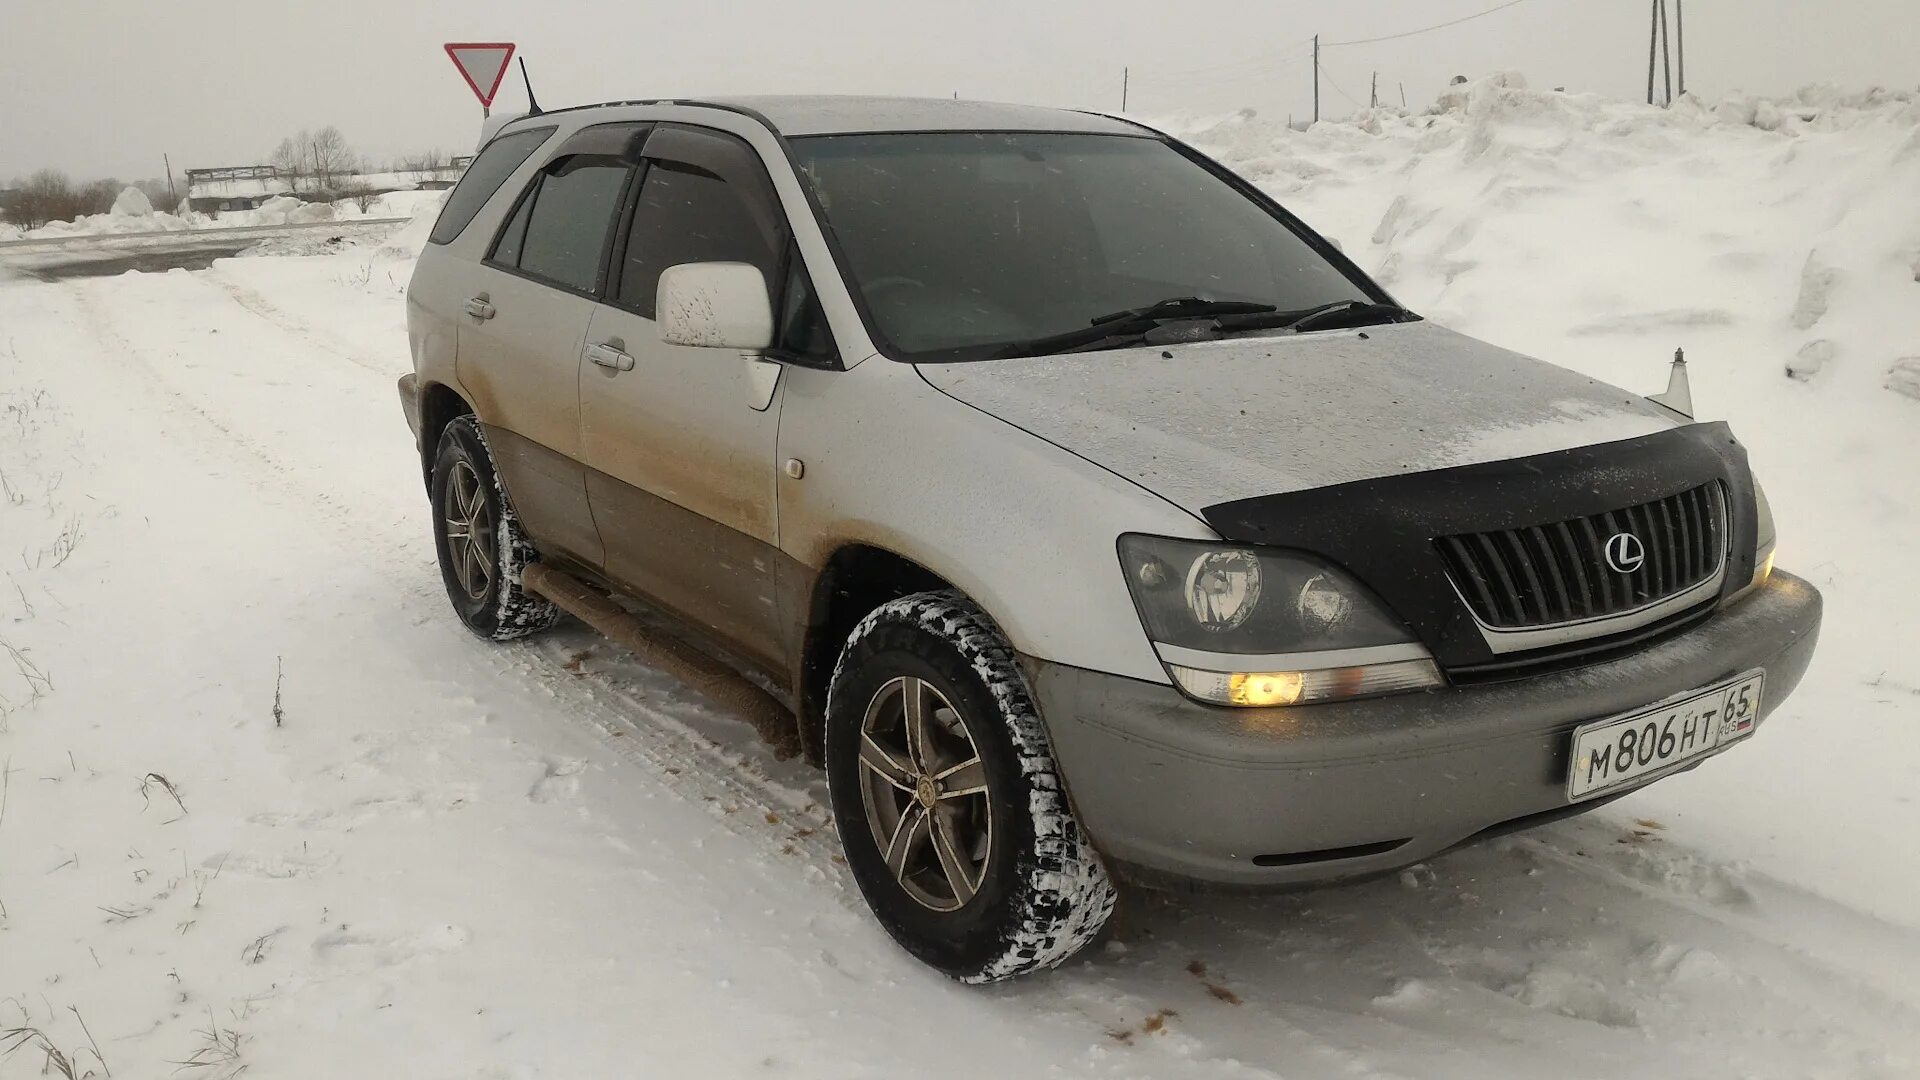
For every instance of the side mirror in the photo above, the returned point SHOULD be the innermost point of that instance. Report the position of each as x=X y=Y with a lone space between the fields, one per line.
x=714 y=305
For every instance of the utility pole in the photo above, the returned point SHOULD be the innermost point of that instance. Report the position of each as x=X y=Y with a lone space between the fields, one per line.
x=1125 y=77
x=1680 y=43
x=1316 y=76
x=168 y=162
x=1653 y=45
x=1373 y=96
x=1403 y=95
x=1666 y=52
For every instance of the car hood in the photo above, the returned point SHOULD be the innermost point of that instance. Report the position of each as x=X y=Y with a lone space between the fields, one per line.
x=1210 y=422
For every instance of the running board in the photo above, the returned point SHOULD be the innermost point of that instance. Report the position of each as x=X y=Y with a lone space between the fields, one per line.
x=711 y=679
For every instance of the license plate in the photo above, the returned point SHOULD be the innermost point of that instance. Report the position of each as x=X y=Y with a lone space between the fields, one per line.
x=1624 y=750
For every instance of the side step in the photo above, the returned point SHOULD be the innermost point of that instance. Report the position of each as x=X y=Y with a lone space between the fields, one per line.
x=709 y=678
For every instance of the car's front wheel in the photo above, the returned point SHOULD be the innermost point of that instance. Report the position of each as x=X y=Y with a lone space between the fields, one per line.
x=482 y=550
x=949 y=805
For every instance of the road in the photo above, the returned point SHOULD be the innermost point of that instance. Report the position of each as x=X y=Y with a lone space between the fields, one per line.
x=116 y=253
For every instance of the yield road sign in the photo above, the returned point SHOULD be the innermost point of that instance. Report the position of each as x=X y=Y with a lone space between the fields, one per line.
x=482 y=64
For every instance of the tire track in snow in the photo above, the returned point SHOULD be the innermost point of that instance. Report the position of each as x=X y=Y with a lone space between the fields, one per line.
x=259 y=305
x=1797 y=967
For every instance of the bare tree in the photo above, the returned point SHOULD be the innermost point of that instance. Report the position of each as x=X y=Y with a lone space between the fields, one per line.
x=361 y=195
x=45 y=196
x=421 y=167
x=333 y=159
x=289 y=159
x=50 y=195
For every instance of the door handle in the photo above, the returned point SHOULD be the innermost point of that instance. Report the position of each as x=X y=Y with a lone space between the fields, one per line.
x=479 y=308
x=609 y=357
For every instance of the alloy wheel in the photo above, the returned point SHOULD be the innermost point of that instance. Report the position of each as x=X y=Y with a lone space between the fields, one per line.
x=925 y=791
x=470 y=530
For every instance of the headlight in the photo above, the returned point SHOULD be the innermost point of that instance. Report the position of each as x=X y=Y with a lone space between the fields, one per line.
x=1257 y=627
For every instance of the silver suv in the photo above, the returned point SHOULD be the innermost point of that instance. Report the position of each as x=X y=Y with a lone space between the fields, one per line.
x=1089 y=518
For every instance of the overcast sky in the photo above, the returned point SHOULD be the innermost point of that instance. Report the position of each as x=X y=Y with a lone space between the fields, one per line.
x=99 y=88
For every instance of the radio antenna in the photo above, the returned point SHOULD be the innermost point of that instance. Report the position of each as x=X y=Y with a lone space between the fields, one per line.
x=533 y=107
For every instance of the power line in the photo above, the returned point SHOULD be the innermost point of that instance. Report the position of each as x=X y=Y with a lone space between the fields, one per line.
x=1422 y=30
x=1328 y=75
x=1265 y=59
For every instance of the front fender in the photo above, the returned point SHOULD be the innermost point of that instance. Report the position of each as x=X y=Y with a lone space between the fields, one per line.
x=1023 y=527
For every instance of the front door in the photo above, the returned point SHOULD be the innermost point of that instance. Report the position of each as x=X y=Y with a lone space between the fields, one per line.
x=679 y=442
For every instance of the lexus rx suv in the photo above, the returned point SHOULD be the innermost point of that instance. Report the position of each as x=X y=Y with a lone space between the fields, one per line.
x=1089 y=517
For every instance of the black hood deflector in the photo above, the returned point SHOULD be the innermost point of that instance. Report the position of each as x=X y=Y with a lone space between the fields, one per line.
x=1383 y=530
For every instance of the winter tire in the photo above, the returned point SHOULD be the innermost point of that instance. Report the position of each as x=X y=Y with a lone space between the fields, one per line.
x=482 y=550
x=950 y=807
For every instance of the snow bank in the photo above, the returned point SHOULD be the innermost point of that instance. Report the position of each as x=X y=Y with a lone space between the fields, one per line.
x=113 y=222
x=1778 y=242
x=133 y=213
x=132 y=202
x=1616 y=220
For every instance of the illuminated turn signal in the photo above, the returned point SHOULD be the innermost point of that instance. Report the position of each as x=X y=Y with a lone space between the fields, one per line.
x=1265 y=687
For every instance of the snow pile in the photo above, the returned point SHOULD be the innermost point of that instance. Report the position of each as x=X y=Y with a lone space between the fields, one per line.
x=133 y=213
x=114 y=222
x=412 y=239
x=132 y=202
x=1699 y=225
x=1778 y=242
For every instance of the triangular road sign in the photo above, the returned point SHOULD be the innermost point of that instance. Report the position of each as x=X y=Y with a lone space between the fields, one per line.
x=482 y=64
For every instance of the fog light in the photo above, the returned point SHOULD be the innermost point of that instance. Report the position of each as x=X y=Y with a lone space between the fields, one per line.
x=1277 y=688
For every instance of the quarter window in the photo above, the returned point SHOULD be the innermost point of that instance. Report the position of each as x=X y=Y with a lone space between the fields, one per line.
x=482 y=179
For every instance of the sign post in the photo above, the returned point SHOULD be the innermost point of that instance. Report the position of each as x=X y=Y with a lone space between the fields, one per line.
x=483 y=65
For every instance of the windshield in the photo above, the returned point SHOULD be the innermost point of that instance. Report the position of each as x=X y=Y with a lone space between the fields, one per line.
x=963 y=242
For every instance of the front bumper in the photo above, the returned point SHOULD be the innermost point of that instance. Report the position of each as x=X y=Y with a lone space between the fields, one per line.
x=1169 y=788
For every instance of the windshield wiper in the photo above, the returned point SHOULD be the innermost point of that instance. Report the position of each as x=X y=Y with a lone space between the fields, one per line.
x=1186 y=319
x=1340 y=313
x=1119 y=327
x=1186 y=307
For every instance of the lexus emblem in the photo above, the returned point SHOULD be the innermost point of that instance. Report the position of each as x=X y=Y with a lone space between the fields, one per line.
x=1625 y=553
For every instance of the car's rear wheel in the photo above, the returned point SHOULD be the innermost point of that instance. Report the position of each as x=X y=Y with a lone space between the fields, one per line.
x=950 y=807
x=482 y=550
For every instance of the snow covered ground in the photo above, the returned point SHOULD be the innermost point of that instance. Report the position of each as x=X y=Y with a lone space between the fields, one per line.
x=264 y=805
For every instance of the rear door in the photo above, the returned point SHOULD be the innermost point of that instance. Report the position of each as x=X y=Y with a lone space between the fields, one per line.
x=679 y=441
x=520 y=345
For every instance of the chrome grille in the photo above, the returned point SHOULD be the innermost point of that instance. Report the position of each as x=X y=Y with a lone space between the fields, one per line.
x=1547 y=575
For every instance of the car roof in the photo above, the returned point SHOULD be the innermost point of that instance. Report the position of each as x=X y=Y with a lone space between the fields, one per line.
x=843 y=114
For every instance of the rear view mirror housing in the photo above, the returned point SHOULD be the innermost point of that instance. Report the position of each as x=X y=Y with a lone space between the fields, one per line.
x=715 y=305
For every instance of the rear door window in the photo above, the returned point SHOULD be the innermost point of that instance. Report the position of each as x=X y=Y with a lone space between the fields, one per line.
x=482 y=179
x=559 y=232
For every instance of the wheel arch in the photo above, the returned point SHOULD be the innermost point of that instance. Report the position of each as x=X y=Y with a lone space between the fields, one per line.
x=440 y=404
x=856 y=578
